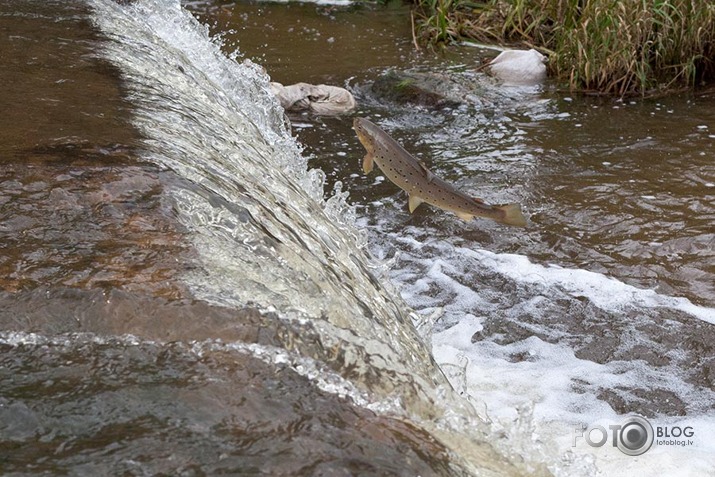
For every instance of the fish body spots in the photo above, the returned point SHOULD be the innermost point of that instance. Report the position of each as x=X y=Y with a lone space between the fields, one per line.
x=411 y=175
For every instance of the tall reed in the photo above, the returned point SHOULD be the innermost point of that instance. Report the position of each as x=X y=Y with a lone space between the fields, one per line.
x=621 y=47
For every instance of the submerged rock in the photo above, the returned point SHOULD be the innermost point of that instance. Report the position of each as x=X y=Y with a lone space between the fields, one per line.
x=433 y=90
x=519 y=67
x=319 y=99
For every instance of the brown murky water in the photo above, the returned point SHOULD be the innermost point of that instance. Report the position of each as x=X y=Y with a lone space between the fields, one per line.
x=316 y=43
x=90 y=257
x=91 y=252
x=78 y=209
x=622 y=188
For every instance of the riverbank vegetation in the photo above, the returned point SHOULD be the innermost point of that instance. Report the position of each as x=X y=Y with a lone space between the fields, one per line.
x=619 y=47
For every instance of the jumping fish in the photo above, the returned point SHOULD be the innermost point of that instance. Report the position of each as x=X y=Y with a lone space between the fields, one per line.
x=421 y=185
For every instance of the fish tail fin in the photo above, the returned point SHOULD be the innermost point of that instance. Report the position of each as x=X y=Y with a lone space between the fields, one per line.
x=512 y=215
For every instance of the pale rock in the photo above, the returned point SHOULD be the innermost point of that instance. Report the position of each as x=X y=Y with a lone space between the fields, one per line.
x=519 y=67
x=319 y=99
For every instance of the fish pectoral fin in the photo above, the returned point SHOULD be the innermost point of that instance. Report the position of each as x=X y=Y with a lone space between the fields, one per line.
x=367 y=163
x=464 y=216
x=413 y=202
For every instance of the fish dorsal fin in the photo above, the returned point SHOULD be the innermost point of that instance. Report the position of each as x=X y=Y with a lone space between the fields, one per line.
x=413 y=202
x=478 y=200
x=428 y=174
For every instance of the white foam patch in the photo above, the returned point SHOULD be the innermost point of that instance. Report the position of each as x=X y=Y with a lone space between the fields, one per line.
x=605 y=292
x=539 y=389
x=20 y=338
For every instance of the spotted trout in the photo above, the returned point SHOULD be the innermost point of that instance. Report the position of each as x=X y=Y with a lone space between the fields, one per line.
x=421 y=185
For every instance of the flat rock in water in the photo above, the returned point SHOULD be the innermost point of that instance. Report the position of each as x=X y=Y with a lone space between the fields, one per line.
x=432 y=90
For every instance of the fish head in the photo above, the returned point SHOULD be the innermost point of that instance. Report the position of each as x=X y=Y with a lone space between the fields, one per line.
x=366 y=131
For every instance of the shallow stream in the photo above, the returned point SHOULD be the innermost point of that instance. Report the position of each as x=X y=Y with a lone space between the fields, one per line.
x=176 y=295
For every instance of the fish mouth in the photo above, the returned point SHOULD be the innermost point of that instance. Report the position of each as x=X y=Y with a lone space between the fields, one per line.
x=365 y=130
x=361 y=132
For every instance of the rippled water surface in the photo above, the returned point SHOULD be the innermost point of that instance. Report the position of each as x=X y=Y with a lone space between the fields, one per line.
x=620 y=187
x=176 y=296
x=172 y=274
x=603 y=306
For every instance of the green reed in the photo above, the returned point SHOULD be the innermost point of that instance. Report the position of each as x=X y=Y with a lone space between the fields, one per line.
x=621 y=47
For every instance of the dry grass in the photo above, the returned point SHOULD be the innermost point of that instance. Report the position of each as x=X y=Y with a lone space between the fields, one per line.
x=621 y=47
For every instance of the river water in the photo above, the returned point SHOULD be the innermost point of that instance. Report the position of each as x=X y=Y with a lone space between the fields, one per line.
x=178 y=297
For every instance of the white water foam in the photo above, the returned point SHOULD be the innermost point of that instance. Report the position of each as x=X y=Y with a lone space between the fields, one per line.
x=543 y=387
x=605 y=292
x=540 y=389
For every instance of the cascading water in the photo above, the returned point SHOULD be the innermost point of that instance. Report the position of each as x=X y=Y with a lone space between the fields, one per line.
x=265 y=237
x=177 y=297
